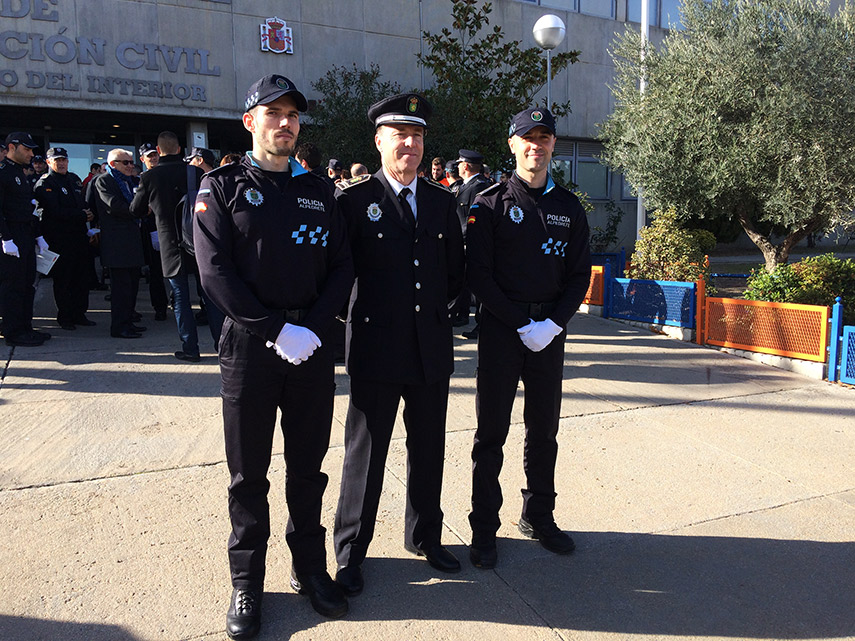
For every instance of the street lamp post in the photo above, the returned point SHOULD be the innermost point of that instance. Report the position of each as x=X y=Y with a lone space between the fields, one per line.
x=549 y=32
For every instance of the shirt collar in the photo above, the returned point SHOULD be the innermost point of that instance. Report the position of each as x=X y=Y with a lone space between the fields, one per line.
x=293 y=166
x=397 y=187
x=550 y=184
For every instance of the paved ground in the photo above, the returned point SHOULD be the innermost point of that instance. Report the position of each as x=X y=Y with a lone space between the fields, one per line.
x=710 y=496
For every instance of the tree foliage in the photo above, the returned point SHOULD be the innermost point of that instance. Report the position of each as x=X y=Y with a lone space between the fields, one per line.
x=667 y=251
x=340 y=125
x=748 y=114
x=481 y=80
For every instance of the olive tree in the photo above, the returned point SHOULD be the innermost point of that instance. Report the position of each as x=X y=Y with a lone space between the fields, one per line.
x=748 y=113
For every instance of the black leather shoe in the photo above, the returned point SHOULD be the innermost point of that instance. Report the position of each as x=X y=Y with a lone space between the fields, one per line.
x=184 y=356
x=438 y=557
x=44 y=336
x=85 y=322
x=549 y=536
x=326 y=596
x=68 y=326
x=349 y=579
x=483 y=556
x=243 y=620
x=138 y=329
x=160 y=316
x=136 y=317
x=125 y=334
x=472 y=334
x=27 y=339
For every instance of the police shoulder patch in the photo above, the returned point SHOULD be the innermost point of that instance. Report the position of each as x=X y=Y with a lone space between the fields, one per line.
x=354 y=181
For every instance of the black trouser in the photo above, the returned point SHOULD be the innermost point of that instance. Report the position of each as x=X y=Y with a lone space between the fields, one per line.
x=71 y=282
x=367 y=432
x=124 y=286
x=156 y=285
x=255 y=383
x=502 y=361
x=17 y=281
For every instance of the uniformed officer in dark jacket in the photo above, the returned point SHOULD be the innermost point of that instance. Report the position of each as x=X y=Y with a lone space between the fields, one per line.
x=20 y=233
x=529 y=265
x=408 y=255
x=64 y=215
x=470 y=165
x=273 y=255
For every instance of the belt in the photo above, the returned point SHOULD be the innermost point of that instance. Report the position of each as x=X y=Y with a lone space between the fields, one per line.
x=536 y=311
x=295 y=315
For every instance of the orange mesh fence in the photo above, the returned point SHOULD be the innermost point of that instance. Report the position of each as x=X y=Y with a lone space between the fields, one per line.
x=595 y=289
x=784 y=329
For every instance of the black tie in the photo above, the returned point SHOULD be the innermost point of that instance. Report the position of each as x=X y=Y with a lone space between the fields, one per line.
x=405 y=206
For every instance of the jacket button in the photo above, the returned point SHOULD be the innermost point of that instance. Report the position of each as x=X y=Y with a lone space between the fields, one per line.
x=380 y=235
x=418 y=285
x=416 y=262
x=366 y=319
x=440 y=236
x=418 y=308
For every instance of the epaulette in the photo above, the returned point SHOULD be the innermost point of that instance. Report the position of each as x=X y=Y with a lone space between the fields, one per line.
x=432 y=182
x=350 y=182
x=489 y=190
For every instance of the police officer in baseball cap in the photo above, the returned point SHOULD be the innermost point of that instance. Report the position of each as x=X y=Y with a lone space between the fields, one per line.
x=529 y=265
x=272 y=250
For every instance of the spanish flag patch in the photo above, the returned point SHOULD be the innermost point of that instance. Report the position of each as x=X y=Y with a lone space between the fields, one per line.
x=200 y=206
x=470 y=220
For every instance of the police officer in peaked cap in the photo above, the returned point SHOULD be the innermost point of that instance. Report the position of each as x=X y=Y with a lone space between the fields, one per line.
x=273 y=255
x=529 y=265
x=408 y=257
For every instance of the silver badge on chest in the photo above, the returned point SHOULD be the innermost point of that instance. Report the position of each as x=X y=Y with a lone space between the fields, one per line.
x=516 y=214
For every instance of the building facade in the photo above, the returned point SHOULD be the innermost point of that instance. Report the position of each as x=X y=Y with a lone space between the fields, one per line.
x=91 y=75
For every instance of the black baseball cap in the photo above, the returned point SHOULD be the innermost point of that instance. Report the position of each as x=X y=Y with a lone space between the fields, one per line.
x=335 y=164
x=55 y=152
x=269 y=88
x=205 y=154
x=526 y=120
x=467 y=155
x=21 y=138
x=146 y=148
x=38 y=158
x=401 y=109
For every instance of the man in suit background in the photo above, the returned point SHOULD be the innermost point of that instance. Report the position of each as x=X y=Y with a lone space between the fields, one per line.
x=121 y=243
x=408 y=256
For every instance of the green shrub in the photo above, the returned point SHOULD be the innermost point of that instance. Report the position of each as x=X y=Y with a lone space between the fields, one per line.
x=816 y=280
x=666 y=251
x=705 y=239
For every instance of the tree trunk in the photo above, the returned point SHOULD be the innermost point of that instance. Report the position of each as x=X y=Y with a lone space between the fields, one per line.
x=776 y=254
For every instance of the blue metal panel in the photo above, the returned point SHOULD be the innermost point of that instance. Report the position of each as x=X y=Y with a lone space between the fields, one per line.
x=653 y=301
x=847 y=357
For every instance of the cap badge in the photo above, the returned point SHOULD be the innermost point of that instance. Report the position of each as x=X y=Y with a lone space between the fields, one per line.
x=516 y=214
x=282 y=83
x=17 y=180
x=536 y=116
x=413 y=104
x=374 y=212
x=65 y=191
x=253 y=197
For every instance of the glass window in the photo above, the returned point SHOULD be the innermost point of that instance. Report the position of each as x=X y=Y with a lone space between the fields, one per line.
x=593 y=179
x=567 y=5
x=562 y=170
x=602 y=8
x=633 y=13
x=626 y=192
x=671 y=17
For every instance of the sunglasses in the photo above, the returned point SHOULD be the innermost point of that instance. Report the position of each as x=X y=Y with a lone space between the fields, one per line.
x=124 y=162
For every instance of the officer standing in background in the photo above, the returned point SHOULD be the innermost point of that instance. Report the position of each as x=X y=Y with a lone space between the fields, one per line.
x=408 y=256
x=151 y=243
x=20 y=233
x=64 y=216
x=273 y=255
x=470 y=165
x=529 y=265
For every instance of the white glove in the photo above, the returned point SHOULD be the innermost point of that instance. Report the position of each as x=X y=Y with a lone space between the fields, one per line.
x=155 y=241
x=525 y=329
x=10 y=248
x=41 y=243
x=296 y=343
x=93 y=231
x=541 y=335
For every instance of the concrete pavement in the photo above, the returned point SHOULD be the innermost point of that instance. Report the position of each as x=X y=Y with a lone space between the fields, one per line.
x=710 y=497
